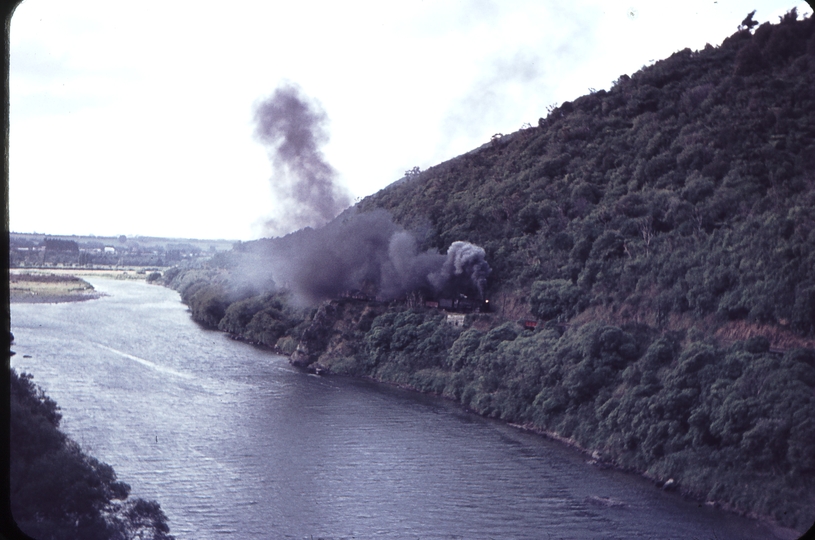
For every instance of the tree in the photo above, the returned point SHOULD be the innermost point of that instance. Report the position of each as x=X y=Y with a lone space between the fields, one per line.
x=60 y=493
x=748 y=23
x=555 y=298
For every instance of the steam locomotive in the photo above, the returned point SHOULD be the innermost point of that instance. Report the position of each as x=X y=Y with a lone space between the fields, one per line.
x=462 y=304
x=459 y=304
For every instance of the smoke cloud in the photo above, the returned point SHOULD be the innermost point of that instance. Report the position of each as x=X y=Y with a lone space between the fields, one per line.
x=368 y=252
x=305 y=186
x=465 y=265
x=364 y=252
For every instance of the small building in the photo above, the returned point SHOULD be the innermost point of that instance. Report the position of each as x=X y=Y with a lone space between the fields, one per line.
x=456 y=319
x=109 y=249
x=356 y=294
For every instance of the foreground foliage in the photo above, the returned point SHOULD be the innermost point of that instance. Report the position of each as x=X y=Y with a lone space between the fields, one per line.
x=59 y=492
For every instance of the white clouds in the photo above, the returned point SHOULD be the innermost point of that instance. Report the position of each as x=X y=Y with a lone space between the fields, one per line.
x=151 y=103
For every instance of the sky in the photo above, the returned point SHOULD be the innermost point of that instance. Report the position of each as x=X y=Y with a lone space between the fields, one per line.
x=139 y=118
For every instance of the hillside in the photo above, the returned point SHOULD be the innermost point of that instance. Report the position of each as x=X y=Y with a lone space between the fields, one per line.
x=655 y=241
x=685 y=191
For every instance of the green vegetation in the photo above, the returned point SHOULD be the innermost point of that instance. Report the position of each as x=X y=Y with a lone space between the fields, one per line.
x=59 y=492
x=684 y=191
x=661 y=234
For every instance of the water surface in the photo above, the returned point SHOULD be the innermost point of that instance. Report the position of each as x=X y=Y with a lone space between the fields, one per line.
x=235 y=443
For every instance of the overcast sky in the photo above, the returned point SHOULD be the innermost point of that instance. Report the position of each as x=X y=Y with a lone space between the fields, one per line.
x=137 y=118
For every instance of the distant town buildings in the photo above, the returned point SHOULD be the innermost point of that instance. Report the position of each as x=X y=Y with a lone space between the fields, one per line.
x=36 y=250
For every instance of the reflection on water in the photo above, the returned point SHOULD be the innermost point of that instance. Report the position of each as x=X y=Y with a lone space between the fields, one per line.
x=234 y=443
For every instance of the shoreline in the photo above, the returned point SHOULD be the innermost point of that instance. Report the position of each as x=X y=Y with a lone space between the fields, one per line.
x=54 y=299
x=49 y=288
x=310 y=364
x=130 y=272
x=596 y=458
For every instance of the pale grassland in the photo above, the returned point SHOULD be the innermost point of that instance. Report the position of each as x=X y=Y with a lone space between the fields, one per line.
x=49 y=287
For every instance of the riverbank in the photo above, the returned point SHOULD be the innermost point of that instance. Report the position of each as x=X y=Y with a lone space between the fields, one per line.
x=599 y=460
x=128 y=272
x=42 y=288
x=728 y=424
x=595 y=458
x=328 y=456
x=58 y=285
x=36 y=443
x=327 y=366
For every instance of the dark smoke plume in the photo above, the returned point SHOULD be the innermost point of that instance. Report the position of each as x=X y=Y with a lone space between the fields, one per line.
x=370 y=253
x=464 y=265
x=304 y=183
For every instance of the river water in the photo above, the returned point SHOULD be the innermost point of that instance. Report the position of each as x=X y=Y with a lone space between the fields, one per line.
x=235 y=443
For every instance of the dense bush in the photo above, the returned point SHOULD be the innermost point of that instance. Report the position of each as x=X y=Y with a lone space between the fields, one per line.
x=555 y=299
x=672 y=209
x=687 y=188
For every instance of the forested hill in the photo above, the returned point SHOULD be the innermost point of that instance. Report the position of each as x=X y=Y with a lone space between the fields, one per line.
x=686 y=191
x=656 y=243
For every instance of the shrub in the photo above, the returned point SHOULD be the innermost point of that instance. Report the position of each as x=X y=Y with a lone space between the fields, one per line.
x=555 y=299
x=59 y=492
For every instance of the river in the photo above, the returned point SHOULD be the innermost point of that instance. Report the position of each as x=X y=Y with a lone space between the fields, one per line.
x=235 y=443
